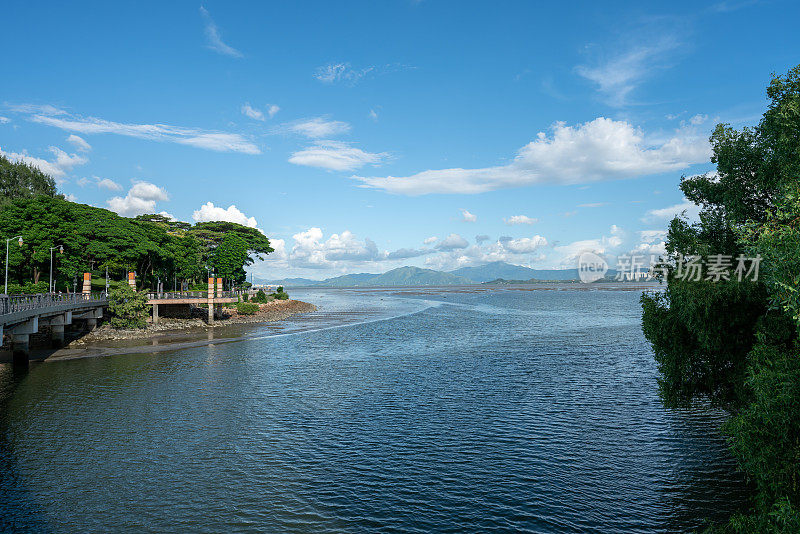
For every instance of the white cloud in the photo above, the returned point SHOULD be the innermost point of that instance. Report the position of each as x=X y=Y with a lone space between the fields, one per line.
x=520 y=219
x=373 y=115
x=71 y=197
x=335 y=156
x=526 y=245
x=452 y=242
x=603 y=149
x=606 y=245
x=4 y=120
x=338 y=72
x=141 y=199
x=106 y=183
x=664 y=215
x=213 y=37
x=207 y=139
x=593 y=205
x=468 y=217
x=429 y=240
x=652 y=236
x=57 y=168
x=698 y=119
x=319 y=127
x=79 y=143
x=272 y=110
x=619 y=76
x=251 y=112
x=209 y=212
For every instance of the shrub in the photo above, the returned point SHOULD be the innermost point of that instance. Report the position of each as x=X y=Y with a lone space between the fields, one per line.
x=246 y=308
x=261 y=297
x=128 y=308
x=281 y=295
x=28 y=288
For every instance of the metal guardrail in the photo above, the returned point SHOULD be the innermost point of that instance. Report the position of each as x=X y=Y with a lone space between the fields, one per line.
x=169 y=295
x=18 y=303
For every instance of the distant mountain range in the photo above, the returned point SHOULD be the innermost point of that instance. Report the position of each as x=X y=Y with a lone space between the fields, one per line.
x=415 y=276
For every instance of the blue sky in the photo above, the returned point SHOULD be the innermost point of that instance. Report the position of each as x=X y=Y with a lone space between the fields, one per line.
x=361 y=136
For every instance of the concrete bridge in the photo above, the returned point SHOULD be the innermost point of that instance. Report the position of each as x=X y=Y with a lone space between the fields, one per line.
x=22 y=316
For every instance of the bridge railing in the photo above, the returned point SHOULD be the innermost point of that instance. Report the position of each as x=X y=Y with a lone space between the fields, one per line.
x=178 y=295
x=17 y=303
x=174 y=295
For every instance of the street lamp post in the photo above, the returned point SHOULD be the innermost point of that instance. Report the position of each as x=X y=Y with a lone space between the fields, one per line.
x=60 y=251
x=7 y=242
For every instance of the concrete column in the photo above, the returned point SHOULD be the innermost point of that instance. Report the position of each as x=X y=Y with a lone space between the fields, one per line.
x=219 y=287
x=87 y=283
x=155 y=313
x=132 y=280
x=210 y=300
x=57 y=335
x=91 y=324
x=21 y=346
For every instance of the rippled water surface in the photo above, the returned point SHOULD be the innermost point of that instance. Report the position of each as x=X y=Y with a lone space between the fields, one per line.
x=413 y=410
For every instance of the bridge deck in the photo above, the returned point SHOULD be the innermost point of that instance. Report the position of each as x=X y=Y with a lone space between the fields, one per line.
x=15 y=309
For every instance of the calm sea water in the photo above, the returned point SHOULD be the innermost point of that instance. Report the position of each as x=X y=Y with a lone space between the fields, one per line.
x=417 y=411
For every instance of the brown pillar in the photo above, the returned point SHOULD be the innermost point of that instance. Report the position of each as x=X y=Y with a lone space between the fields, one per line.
x=132 y=280
x=219 y=287
x=87 y=283
x=210 y=300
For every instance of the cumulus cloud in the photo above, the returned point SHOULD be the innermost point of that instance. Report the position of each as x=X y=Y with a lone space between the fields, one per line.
x=468 y=217
x=608 y=244
x=526 y=244
x=58 y=167
x=452 y=242
x=213 y=37
x=481 y=238
x=80 y=144
x=335 y=156
x=318 y=127
x=430 y=240
x=272 y=110
x=603 y=149
x=141 y=198
x=105 y=183
x=206 y=139
x=208 y=212
x=310 y=251
x=520 y=219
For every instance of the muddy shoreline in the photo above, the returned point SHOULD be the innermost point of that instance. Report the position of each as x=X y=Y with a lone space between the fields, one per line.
x=168 y=334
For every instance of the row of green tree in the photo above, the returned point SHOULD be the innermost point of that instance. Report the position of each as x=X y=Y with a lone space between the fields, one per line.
x=95 y=239
x=734 y=343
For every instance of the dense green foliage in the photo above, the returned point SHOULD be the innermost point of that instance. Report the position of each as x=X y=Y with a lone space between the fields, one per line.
x=734 y=342
x=261 y=297
x=94 y=239
x=246 y=308
x=280 y=294
x=128 y=308
x=20 y=180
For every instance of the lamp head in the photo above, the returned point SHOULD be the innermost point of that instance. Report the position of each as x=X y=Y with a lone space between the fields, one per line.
x=20 y=241
x=61 y=249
